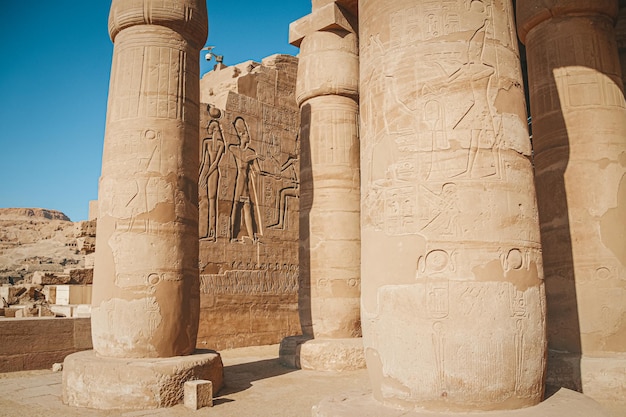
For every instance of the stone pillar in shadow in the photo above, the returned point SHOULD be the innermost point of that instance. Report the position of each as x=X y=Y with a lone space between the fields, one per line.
x=620 y=33
x=579 y=136
x=146 y=286
x=327 y=93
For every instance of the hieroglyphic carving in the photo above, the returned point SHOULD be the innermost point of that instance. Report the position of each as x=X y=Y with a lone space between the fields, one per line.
x=272 y=279
x=251 y=265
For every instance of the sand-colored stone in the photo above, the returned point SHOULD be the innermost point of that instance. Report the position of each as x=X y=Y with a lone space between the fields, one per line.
x=37 y=343
x=453 y=303
x=249 y=192
x=97 y=382
x=146 y=288
x=198 y=394
x=579 y=137
x=327 y=92
x=146 y=292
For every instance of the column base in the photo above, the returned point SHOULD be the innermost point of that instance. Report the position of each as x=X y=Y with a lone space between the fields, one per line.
x=103 y=383
x=602 y=378
x=563 y=403
x=302 y=352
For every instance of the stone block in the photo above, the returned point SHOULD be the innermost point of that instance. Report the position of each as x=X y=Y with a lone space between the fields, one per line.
x=332 y=354
x=73 y=294
x=326 y=17
x=8 y=294
x=49 y=278
x=103 y=383
x=81 y=276
x=198 y=394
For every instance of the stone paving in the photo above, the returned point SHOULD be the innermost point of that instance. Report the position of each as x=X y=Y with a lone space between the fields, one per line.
x=256 y=385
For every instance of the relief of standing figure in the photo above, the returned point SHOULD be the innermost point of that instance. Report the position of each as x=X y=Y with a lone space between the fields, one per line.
x=246 y=160
x=212 y=151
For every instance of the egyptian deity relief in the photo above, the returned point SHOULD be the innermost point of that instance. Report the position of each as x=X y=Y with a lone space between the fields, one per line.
x=451 y=249
x=249 y=189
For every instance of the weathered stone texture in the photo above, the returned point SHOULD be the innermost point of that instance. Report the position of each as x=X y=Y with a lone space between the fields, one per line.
x=249 y=203
x=37 y=343
x=452 y=301
x=146 y=264
x=579 y=137
x=117 y=383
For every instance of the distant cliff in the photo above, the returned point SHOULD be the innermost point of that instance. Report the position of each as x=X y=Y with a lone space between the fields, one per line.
x=36 y=239
x=33 y=212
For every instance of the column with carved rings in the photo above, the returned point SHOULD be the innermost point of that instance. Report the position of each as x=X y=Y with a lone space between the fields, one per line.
x=146 y=296
x=327 y=93
x=579 y=136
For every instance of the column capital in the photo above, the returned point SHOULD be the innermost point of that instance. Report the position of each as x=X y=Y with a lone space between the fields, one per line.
x=530 y=13
x=328 y=17
x=187 y=17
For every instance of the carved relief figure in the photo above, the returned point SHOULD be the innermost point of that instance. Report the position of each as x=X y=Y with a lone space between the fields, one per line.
x=246 y=160
x=289 y=176
x=480 y=115
x=212 y=151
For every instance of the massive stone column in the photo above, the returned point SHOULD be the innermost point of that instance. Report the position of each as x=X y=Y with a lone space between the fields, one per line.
x=327 y=93
x=579 y=136
x=146 y=289
x=453 y=295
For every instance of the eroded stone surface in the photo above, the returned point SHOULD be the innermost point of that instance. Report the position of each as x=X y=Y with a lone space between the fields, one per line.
x=329 y=217
x=93 y=381
x=249 y=204
x=146 y=267
x=452 y=282
x=579 y=137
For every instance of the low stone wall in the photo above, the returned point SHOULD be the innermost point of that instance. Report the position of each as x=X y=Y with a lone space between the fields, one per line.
x=37 y=343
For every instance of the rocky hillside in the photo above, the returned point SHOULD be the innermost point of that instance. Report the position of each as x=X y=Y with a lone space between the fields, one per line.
x=34 y=239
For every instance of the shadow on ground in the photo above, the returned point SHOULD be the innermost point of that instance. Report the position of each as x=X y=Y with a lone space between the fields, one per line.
x=240 y=377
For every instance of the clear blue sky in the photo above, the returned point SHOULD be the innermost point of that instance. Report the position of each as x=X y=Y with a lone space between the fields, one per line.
x=54 y=76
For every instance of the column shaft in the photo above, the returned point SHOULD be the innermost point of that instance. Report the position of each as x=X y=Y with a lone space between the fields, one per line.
x=146 y=290
x=327 y=92
x=452 y=283
x=579 y=136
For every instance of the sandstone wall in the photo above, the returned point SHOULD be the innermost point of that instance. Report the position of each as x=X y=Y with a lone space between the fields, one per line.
x=249 y=191
x=40 y=342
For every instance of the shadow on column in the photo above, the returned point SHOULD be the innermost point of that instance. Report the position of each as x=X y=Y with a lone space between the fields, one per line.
x=306 y=201
x=551 y=148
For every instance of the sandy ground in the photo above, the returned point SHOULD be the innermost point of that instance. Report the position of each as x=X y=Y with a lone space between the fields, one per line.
x=255 y=385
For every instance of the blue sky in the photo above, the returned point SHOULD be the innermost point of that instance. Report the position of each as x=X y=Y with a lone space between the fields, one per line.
x=54 y=79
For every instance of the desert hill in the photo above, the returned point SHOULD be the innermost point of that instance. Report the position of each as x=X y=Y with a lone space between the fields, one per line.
x=35 y=239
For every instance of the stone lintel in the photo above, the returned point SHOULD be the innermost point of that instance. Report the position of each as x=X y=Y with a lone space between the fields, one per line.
x=327 y=17
x=322 y=354
x=362 y=404
x=93 y=381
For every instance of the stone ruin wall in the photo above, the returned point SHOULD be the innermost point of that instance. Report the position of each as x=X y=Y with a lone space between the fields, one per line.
x=249 y=236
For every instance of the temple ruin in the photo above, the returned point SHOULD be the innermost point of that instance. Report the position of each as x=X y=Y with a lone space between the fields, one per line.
x=382 y=201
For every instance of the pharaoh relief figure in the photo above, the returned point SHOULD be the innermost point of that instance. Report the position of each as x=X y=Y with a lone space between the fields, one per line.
x=212 y=151
x=245 y=203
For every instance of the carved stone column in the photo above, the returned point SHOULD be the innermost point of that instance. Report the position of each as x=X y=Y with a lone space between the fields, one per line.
x=327 y=93
x=146 y=289
x=579 y=136
x=453 y=303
